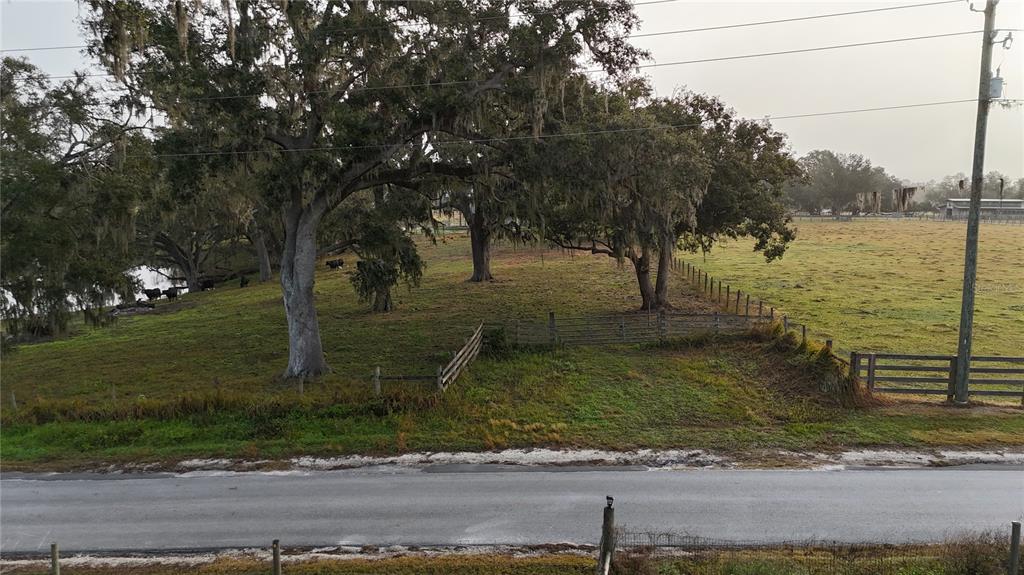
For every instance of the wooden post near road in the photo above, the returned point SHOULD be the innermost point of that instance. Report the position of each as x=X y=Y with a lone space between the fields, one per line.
x=727 y=296
x=440 y=378
x=746 y=308
x=607 y=550
x=719 y=300
x=54 y=559
x=14 y=402
x=376 y=380
x=760 y=308
x=1014 y=565
x=737 y=302
x=785 y=324
x=803 y=334
x=276 y=551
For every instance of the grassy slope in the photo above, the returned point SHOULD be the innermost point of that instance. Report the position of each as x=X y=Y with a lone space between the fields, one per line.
x=727 y=395
x=888 y=286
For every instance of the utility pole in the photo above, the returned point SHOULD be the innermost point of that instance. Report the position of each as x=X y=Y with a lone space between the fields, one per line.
x=963 y=352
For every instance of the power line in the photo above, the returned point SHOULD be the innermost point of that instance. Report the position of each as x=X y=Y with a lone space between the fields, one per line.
x=795 y=19
x=207 y=153
x=645 y=34
x=591 y=71
x=804 y=50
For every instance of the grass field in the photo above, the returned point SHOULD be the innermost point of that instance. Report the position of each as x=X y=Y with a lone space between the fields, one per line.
x=887 y=285
x=219 y=354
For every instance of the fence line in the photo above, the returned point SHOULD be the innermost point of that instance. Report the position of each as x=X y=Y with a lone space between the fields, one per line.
x=918 y=374
x=447 y=374
x=739 y=303
x=654 y=326
x=1005 y=219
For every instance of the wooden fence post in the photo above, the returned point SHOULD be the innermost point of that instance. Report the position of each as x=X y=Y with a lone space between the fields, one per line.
x=1014 y=567
x=440 y=378
x=717 y=325
x=746 y=308
x=14 y=402
x=771 y=314
x=855 y=365
x=705 y=282
x=785 y=324
x=951 y=388
x=737 y=302
x=376 y=380
x=728 y=295
x=719 y=299
x=54 y=559
x=604 y=560
x=760 y=309
x=552 y=333
x=828 y=344
x=276 y=551
x=803 y=334
x=871 y=372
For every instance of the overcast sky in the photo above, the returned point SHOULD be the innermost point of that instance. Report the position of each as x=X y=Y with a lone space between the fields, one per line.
x=916 y=144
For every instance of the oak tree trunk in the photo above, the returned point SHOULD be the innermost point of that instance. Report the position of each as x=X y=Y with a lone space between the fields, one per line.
x=263 y=256
x=298 y=267
x=664 y=269
x=480 y=240
x=642 y=267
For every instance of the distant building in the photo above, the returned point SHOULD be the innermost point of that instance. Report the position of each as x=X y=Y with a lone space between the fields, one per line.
x=957 y=208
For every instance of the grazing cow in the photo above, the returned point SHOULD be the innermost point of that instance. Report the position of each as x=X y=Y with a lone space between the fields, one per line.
x=243 y=281
x=205 y=284
x=335 y=264
x=171 y=292
x=152 y=294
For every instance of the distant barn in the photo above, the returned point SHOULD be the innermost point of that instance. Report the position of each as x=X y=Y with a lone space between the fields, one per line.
x=956 y=208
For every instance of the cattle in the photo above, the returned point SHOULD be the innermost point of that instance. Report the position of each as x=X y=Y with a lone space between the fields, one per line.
x=206 y=284
x=171 y=292
x=335 y=264
x=152 y=294
x=243 y=281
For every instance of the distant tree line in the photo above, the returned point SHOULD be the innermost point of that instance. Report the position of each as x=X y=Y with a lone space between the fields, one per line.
x=849 y=182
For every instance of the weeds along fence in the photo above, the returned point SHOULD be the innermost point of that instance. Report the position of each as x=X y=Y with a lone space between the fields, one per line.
x=446 y=374
x=936 y=374
x=655 y=326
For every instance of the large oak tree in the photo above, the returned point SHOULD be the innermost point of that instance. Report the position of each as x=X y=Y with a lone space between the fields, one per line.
x=342 y=96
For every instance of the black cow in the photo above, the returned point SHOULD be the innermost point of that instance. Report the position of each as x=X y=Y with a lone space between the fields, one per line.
x=152 y=294
x=206 y=284
x=335 y=264
x=171 y=293
x=243 y=281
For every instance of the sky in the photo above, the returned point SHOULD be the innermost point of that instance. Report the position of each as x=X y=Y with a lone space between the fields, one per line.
x=916 y=144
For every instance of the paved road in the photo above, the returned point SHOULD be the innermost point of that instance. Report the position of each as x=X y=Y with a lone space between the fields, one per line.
x=495 y=505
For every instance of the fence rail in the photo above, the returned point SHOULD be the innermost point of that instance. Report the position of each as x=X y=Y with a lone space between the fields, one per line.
x=623 y=328
x=446 y=374
x=918 y=374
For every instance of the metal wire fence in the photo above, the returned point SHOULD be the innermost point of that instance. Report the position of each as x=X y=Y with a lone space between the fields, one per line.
x=643 y=552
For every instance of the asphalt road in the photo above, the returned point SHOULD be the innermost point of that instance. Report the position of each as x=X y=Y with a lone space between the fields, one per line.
x=495 y=505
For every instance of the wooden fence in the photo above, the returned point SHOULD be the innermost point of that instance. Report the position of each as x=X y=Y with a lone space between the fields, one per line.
x=447 y=374
x=738 y=302
x=622 y=328
x=936 y=374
